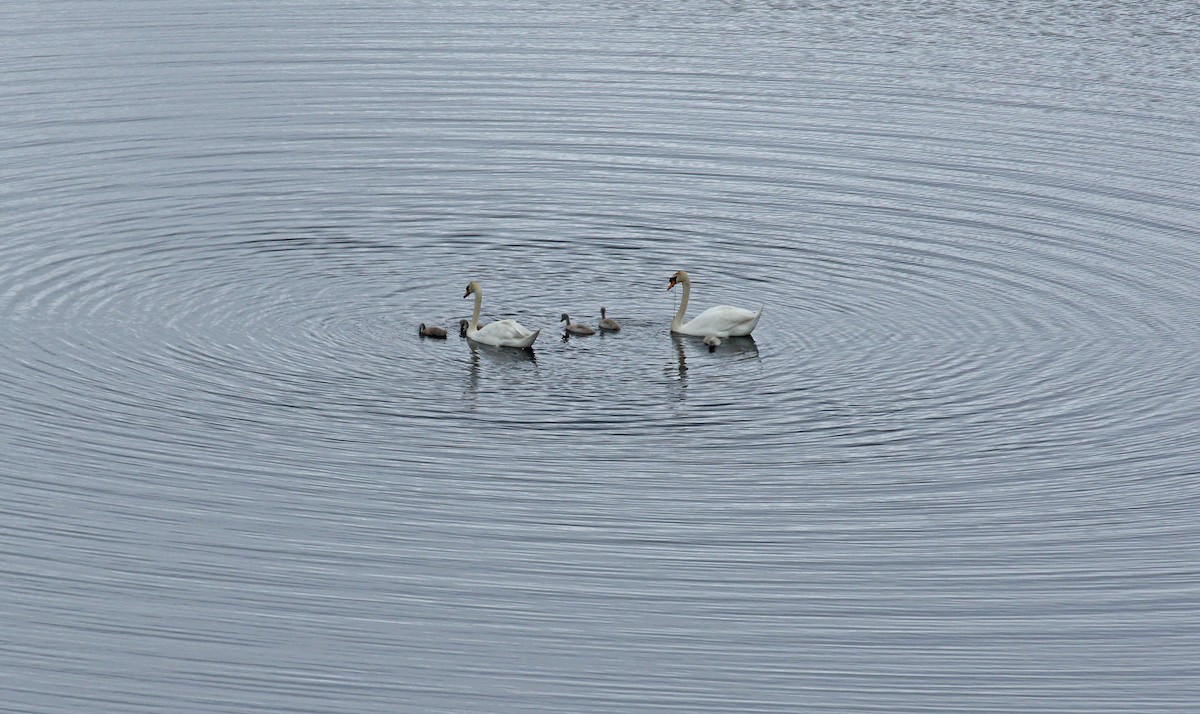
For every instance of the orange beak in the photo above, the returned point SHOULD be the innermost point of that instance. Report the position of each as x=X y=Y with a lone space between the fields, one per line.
x=672 y=283
x=468 y=292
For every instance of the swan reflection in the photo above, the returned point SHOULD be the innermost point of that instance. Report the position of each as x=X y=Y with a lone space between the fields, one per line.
x=739 y=347
x=497 y=359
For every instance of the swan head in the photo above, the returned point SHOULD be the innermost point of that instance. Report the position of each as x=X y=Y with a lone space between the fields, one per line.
x=679 y=277
x=565 y=318
x=602 y=312
x=421 y=329
x=472 y=288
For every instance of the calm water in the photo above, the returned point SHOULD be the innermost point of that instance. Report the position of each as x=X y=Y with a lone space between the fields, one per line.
x=957 y=468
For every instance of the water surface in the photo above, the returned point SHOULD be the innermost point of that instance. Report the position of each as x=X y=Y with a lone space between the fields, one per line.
x=954 y=469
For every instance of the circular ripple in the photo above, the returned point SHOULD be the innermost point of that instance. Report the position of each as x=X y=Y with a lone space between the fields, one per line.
x=959 y=439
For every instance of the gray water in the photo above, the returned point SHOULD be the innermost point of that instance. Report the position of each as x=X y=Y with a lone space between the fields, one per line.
x=956 y=468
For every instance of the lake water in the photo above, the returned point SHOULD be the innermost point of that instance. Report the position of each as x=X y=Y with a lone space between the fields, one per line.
x=956 y=468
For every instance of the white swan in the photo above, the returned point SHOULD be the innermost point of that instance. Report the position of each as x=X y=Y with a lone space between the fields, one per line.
x=501 y=333
x=721 y=321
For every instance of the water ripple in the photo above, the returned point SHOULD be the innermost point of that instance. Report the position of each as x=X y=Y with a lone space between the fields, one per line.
x=951 y=469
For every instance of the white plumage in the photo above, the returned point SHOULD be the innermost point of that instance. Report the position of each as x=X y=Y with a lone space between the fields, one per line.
x=501 y=333
x=721 y=321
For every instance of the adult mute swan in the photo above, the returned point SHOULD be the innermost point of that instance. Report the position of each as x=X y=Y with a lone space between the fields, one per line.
x=501 y=333
x=607 y=323
x=720 y=321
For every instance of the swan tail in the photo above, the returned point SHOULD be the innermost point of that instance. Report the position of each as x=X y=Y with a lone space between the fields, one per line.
x=528 y=341
x=746 y=328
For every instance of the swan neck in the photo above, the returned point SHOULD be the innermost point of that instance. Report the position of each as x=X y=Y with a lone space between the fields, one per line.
x=474 y=325
x=683 y=303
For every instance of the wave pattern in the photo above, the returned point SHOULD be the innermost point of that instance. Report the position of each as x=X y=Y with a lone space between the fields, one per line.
x=952 y=469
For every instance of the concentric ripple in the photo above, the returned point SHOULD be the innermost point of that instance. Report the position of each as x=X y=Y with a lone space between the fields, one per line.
x=953 y=469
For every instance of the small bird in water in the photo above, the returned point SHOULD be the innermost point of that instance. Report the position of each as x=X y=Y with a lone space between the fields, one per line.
x=713 y=342
x=462 y=327
x=431 y=331
x=576 y=328
x=607 y=323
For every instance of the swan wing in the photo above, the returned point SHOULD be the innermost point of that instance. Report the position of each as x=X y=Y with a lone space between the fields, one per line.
x=746 y=326
x=505 y=333
x=722 y=321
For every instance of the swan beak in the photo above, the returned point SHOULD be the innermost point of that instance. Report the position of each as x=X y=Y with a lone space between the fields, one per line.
x=672 y=283
x=467 y=293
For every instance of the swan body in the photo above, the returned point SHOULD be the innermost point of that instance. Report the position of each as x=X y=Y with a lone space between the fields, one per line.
x=607 y=323
x=576 y=328
x=721 y=321
x=431 y=331
x=501 y=333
